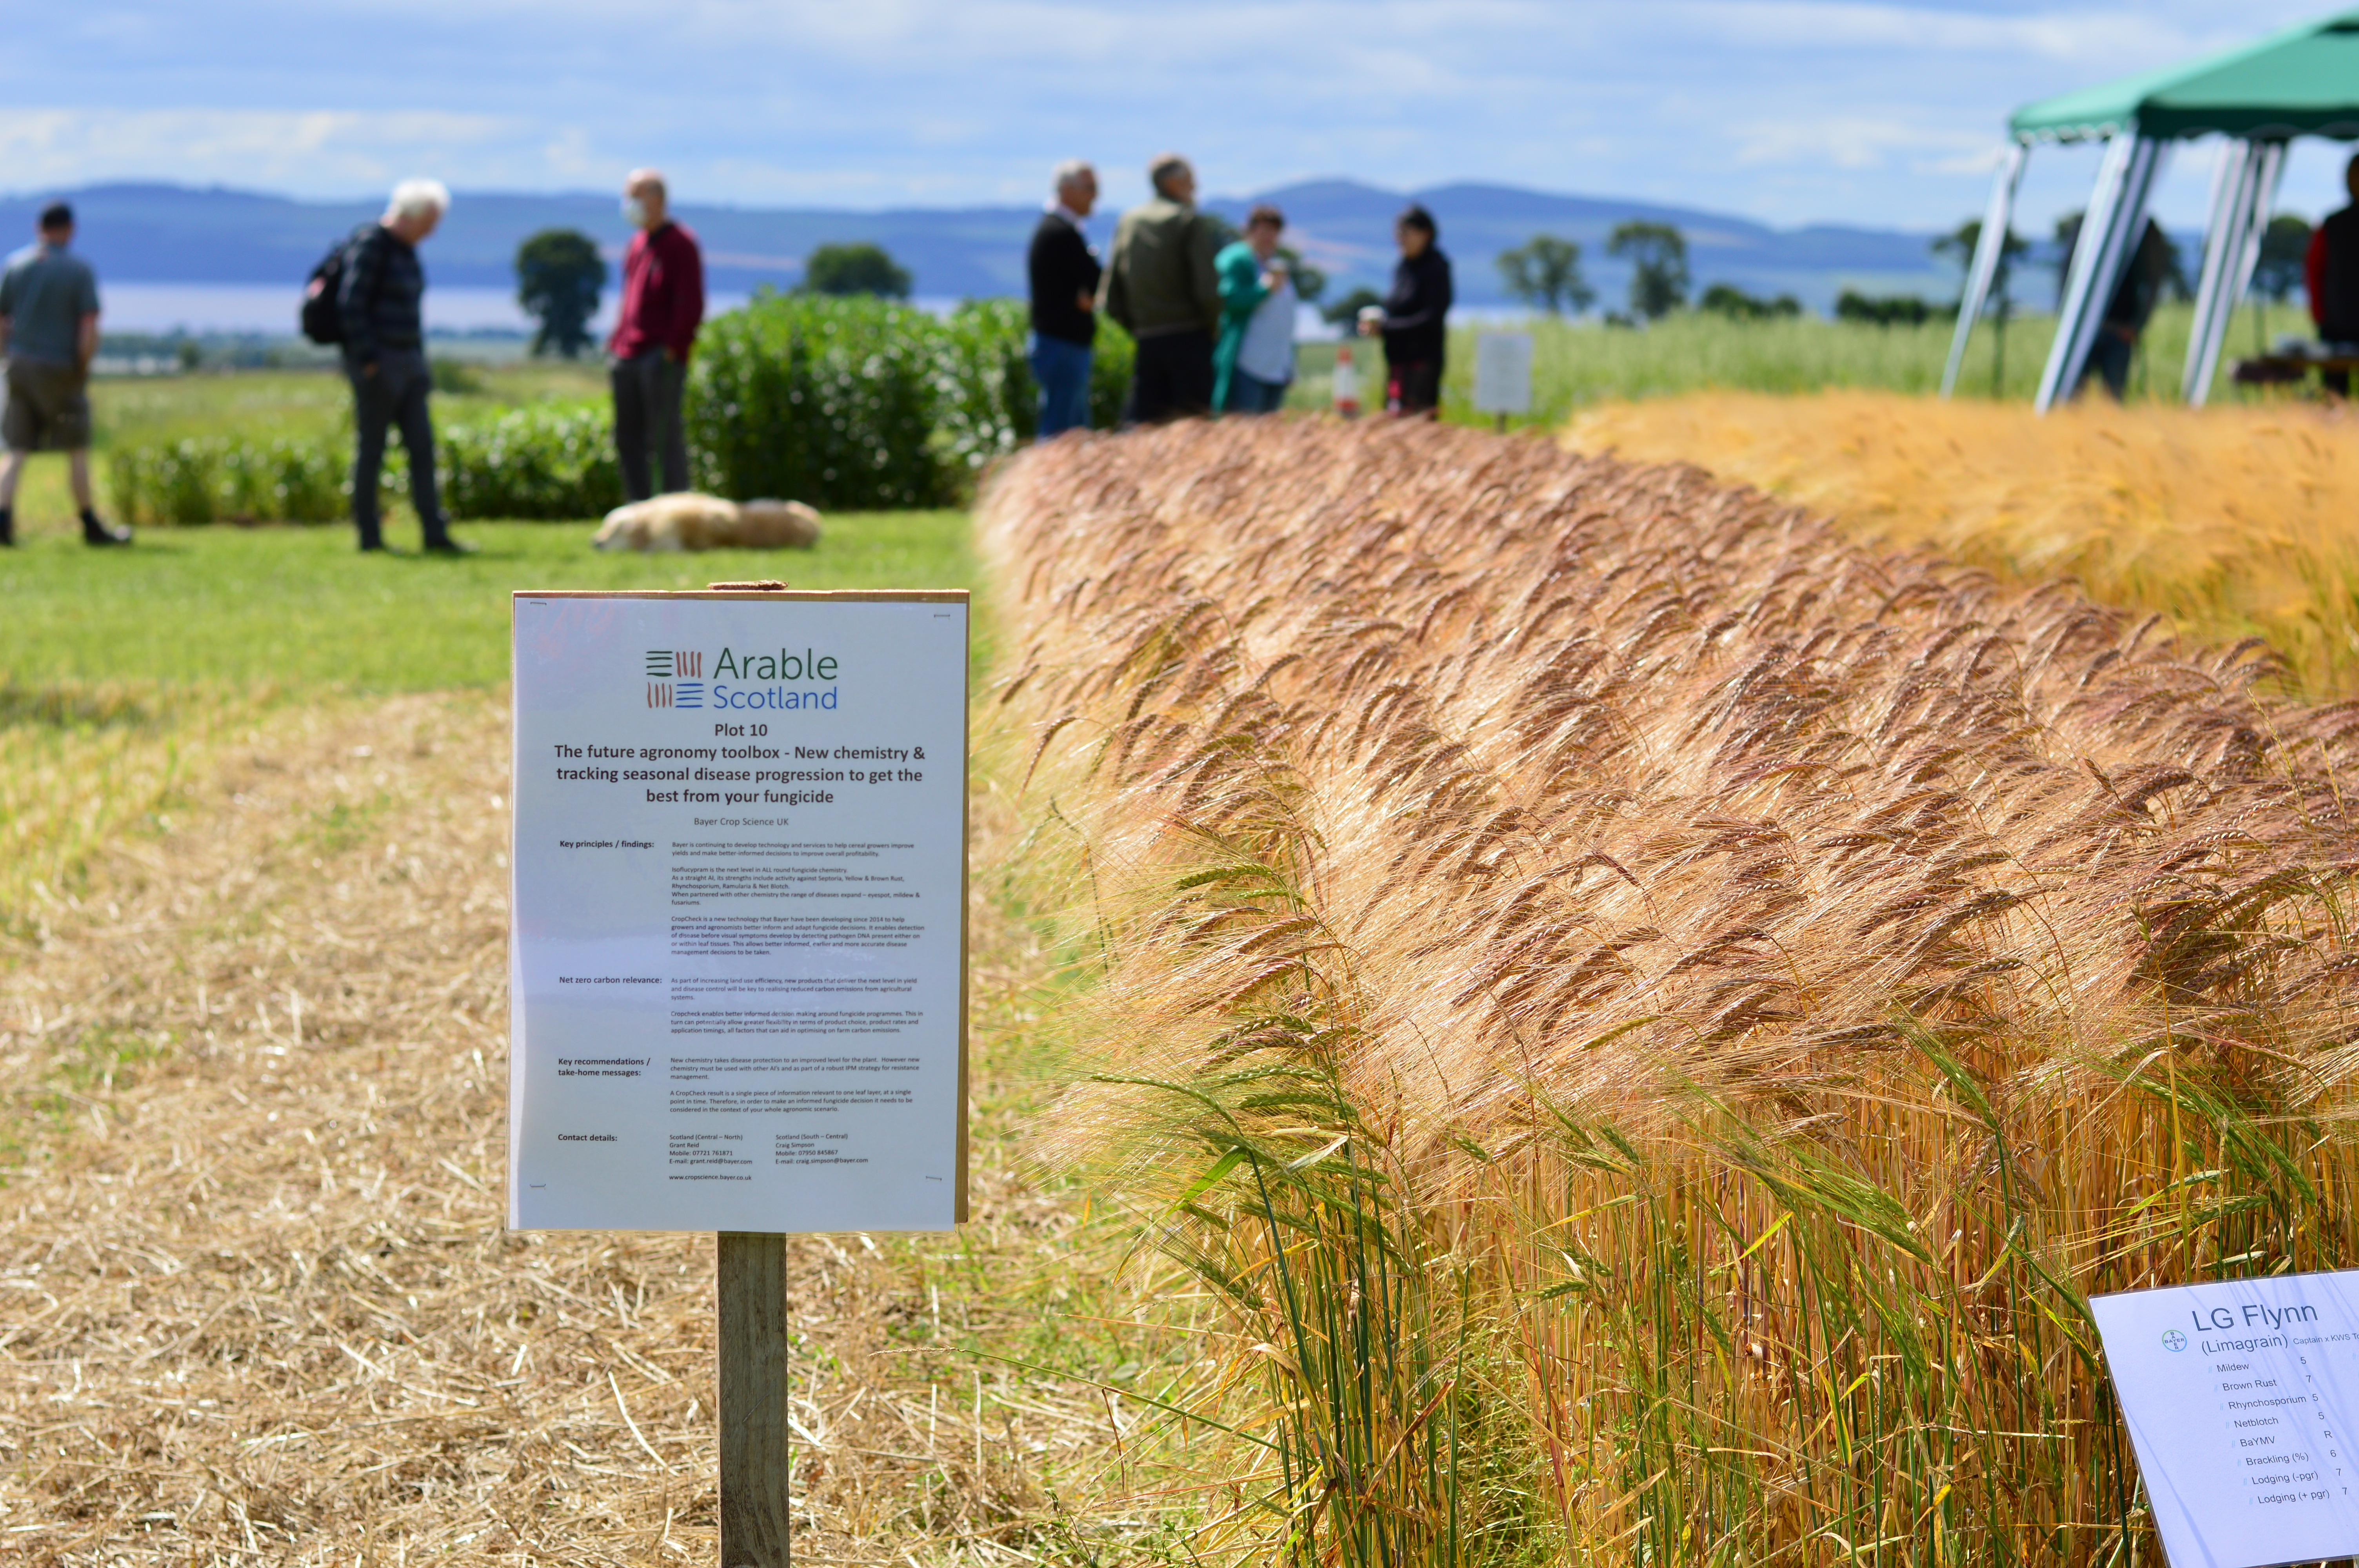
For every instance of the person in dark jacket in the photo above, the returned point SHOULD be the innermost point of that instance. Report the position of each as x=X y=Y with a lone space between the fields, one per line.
x=1163 y=288
x=2332 y=270
x=663 y=305
x=2126 y=314
x=1064 y=274
x=385 y=357
x=1413 y=318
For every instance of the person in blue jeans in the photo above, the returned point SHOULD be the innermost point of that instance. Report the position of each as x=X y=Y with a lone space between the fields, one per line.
x=1254 y=359
x=1064 y=274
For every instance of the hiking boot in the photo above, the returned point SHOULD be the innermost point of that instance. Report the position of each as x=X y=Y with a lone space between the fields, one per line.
x=94 y=532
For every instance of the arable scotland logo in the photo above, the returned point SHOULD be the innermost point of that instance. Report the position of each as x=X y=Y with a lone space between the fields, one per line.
x=665 y=688
x=2173 y=1340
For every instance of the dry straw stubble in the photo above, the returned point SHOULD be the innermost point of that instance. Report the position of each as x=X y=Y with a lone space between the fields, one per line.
x=256 y=1305
x=1755 y=986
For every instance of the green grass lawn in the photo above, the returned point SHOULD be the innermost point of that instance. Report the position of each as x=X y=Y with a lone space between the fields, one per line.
x=299 y=607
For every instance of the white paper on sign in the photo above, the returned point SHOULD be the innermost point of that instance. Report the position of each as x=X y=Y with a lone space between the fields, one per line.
x=1503 y=372
x=2239 y=1398
x=737 y=967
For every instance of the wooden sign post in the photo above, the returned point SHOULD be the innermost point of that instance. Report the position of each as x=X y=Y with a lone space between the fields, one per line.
x=755 y=1497
x=737 y=964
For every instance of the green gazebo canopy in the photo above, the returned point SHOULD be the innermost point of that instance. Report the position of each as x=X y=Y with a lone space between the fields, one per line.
x=2303 y=81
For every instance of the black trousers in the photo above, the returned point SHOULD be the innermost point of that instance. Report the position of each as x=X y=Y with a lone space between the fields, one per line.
x=1415 y=386
x=1172 y=377
x=394 y=396
x=648 y=389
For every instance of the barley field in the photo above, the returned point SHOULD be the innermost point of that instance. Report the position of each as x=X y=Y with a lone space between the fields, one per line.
x=1646 y=1019
x=2234 y=521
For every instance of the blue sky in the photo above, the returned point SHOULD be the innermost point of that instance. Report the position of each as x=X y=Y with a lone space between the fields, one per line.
x=1787 y=111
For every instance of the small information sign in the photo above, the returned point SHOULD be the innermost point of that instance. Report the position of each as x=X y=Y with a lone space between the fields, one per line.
x=1503 y=372
x=738 y=961
x=2239 y=1399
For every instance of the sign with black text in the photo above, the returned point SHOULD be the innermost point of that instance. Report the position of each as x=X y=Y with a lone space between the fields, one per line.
x=2239 y=1399
x=737 y=956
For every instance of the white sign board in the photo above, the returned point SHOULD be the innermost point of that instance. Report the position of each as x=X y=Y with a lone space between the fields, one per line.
x=1503 y=372
x=2239 y=1398
x=737 y=960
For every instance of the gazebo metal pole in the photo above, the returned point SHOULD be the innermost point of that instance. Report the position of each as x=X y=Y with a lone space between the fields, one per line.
x=2223 y=238
x=2228 y=260
x=2230 y=182
x=2116 y=208
x=1988 y=252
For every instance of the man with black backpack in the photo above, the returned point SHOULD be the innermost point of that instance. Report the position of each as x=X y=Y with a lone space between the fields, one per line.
x=377 y=287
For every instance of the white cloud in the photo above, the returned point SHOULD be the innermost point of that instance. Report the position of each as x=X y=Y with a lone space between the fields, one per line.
x=247 y=146
x=1791 y=110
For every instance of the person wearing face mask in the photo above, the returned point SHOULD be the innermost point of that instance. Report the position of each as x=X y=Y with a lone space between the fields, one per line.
x=663 y=305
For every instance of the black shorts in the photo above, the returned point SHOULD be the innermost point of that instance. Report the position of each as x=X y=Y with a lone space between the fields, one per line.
x=49 y=408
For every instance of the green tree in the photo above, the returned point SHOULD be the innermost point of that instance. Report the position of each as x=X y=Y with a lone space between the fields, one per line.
x=859 y=268
x=1310 y=283
x=1882 y=309
x=1544 y=272
x=1658 y=255
x=560 y=275
x=1959 y=245
x=1727 y=299
x=2284 y=245
x=1346 y=310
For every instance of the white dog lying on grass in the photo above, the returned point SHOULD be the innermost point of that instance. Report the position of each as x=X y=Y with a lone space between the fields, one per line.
x=691 y=521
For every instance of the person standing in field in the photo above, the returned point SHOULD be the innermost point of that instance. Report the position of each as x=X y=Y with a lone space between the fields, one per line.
x=380 y=304
x=663 y=305
x=2332 y=270
x=1064 y=274
x=1254 y=361
x=2126 y=314
x=1163 y=288
x=1412 y=322
x=48 y=330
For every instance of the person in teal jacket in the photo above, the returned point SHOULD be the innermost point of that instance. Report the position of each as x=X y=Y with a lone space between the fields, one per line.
x=1254 y=359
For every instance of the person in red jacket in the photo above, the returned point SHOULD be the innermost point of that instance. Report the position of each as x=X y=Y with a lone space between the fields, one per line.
x=663 y=304
x=2332 y=270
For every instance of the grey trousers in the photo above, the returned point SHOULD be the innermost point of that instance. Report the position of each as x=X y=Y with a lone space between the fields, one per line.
x=646 y=415
x=396 y=394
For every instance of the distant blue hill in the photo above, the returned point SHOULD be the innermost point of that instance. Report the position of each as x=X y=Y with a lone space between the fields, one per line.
x=171 y=234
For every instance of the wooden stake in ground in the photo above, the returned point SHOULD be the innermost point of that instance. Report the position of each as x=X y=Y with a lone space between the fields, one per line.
x=754 y=1490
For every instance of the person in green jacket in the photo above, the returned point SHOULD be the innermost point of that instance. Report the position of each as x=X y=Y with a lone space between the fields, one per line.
x=1159 y=288
x=1254 y=359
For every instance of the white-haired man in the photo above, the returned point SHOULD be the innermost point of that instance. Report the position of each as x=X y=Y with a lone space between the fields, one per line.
x=1064 y=274
x=384 y=355
x=663 y=305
